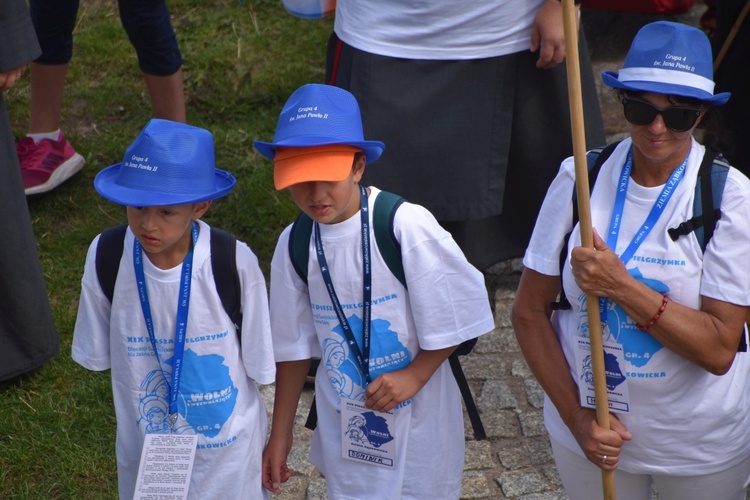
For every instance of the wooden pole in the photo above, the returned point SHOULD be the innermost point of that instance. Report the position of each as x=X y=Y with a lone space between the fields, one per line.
x=730 y=37
x=575 y=96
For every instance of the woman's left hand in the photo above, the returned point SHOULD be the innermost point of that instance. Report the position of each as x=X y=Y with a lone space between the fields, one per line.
x=9 y=78
x=598 y=271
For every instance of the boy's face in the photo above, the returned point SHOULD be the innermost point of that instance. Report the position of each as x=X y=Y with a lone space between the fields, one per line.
x=330 y=202
x=164 y=232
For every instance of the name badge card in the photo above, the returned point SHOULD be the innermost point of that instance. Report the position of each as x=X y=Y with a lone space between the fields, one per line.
x=367 y=434
x=166 y=466
x=614 y=370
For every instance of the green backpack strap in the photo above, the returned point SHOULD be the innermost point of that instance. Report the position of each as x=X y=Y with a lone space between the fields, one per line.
x=384 y=212
x=299 y=244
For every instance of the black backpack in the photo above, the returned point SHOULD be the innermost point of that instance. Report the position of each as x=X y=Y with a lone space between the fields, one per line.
x=223 y=261
x=384 y=212
x=709 y=189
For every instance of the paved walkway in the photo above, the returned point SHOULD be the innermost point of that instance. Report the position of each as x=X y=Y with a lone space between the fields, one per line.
x=516 y=461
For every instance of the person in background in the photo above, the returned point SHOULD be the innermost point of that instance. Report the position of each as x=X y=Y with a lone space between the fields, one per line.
x=47 y=158
x=472 y=100
x=28 y=337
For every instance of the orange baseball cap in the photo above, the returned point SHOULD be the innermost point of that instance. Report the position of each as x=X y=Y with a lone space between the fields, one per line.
x=330 y=163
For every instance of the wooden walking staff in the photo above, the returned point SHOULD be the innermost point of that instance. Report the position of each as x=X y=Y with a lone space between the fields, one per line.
x=570 y=25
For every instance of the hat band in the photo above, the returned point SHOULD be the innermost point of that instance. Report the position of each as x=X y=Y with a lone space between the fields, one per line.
x=669 y=76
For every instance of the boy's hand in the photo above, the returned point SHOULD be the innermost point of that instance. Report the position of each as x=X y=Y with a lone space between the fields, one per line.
x=391 y=389
x=275 y=470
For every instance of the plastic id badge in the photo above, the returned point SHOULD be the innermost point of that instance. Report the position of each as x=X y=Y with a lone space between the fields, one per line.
x=367 y=434
x=166 y=466
x=614 y=370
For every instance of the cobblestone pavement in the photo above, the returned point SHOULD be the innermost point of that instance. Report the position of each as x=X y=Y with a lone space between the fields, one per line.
x=516 y=460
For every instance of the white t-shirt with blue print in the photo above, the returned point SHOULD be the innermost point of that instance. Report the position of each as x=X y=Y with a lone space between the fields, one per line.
x=684 y=420
x=218 y=396
x=446 y=304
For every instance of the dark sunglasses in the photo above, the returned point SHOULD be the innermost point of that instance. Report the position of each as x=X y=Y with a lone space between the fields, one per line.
x=676 y=118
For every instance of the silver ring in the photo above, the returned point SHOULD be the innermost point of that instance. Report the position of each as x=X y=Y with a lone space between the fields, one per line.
x=18 y=75
x=604 y=460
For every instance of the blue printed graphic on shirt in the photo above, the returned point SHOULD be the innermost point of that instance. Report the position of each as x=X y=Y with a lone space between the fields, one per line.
x=638 y=347
x=613 y=373
x=387 y=354
x=369 y=428
x=206 y=400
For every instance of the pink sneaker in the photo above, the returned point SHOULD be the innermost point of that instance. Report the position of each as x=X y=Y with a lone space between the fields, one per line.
x=46 y=165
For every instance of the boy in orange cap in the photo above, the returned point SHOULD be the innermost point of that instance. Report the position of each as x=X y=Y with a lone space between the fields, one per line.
x=384 y=348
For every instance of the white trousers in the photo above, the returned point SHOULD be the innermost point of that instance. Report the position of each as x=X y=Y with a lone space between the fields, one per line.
x=582 y=480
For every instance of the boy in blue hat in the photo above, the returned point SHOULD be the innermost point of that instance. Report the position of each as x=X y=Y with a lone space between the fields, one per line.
x=390 y=422
x=179 y=365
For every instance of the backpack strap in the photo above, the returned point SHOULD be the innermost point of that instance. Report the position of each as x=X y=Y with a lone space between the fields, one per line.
x=223 y=261
x=299 y=244
x=226 y=277
x=108 y=256
x=594 y=161
x=389 y=247
x=709 y=189
x=712 y=176
x=384 y=212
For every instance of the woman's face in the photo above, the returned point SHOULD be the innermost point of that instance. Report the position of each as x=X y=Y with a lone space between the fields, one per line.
x=656 y=144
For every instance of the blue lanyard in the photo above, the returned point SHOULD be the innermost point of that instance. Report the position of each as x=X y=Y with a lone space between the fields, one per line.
x=656 y=211
x=362 y=356
x=182 y=314
x=659 y=206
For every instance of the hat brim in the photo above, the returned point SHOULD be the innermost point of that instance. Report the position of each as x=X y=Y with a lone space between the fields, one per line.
x=372 y=149
x=610 y=78
x=313 y=164
x=106 y=185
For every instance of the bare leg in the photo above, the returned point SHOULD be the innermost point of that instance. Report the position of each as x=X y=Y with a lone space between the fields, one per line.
x=47 y=87
x=167 y=96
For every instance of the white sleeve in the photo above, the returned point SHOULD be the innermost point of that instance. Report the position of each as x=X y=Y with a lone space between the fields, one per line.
x=448 y=296
x=553 y=223
x=257 y=347
x=726 y=267
x=91 y=334
x=294 y=336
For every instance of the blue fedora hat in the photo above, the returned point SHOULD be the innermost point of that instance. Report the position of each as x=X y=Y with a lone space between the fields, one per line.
x=169 y=163
x=668 y=58
x=320 y=115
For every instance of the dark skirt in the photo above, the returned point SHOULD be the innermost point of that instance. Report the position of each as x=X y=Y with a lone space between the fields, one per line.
x=28 y=337
x=476 y=142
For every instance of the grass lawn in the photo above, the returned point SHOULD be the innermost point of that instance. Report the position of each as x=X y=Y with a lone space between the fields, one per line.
x=241 y=63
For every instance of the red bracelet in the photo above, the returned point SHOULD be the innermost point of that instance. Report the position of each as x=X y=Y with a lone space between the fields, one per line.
x=644 y=328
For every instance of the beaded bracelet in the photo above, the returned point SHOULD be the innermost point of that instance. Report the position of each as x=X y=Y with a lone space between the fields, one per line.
x=644 y=328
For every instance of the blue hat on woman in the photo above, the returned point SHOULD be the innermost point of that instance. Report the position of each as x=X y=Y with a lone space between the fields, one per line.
x=169 y=163
x=320 y=115
x=669 y=58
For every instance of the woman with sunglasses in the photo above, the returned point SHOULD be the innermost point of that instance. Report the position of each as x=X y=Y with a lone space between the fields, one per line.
x=672 y=315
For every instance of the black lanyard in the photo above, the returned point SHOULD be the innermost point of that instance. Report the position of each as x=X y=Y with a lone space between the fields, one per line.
x=362 y=356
